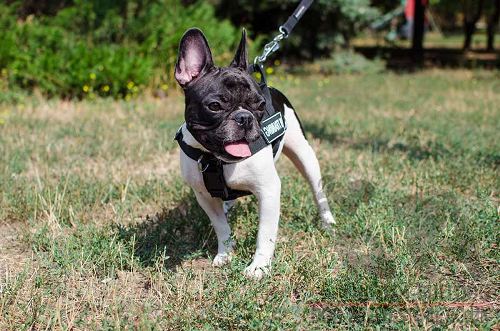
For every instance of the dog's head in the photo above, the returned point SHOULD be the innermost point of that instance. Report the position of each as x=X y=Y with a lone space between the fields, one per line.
x=224 y=105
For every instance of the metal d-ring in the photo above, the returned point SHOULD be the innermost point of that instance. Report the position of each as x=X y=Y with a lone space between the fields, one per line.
x=283 y=32
x=200 y=166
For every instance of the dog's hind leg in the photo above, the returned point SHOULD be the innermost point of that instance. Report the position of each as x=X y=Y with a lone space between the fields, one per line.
x=297 y=149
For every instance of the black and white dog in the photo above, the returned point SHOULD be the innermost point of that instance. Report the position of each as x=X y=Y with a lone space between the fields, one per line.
x=224 y=106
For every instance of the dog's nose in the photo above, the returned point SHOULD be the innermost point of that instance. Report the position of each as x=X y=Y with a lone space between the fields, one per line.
x=244 y=118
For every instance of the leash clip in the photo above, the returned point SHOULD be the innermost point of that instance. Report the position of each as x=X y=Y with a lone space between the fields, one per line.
x=200 y=165
x=271 y=47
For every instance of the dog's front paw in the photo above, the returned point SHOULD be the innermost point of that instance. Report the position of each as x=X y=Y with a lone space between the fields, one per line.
x=257 y=270
x=327 y=220
x=221 y=259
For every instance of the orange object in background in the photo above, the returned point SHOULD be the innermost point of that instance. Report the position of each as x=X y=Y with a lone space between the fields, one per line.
x=410 y=9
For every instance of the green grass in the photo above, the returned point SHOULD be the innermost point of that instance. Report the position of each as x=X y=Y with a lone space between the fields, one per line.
x=101 y=233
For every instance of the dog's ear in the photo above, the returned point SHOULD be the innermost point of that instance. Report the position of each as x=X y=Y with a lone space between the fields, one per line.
x=194 y=58
x=240 y=59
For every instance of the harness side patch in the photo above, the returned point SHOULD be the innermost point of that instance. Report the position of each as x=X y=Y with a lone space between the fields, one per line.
x=273 y=127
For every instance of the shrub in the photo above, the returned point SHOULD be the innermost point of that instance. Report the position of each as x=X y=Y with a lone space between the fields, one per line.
x=91 y=48
x=86 y=48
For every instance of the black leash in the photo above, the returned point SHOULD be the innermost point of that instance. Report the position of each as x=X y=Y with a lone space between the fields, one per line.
x=272 y=117
x=284 y=30
x=296 y=16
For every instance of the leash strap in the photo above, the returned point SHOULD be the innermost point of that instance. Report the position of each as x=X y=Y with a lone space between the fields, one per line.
x=296 y=16
x=270 y=116
x=285 y=31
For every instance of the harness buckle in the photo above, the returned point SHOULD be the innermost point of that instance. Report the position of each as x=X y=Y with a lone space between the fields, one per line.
x=200 y=165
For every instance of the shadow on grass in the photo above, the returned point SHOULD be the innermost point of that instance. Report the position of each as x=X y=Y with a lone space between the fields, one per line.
x=172 y=235
x=349 y=197
x=414 y=151
x=402 y=59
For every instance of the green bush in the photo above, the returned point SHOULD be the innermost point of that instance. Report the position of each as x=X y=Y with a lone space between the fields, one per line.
x=91 y=48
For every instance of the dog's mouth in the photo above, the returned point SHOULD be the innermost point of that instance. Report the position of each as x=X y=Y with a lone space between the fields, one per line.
x=239 y=148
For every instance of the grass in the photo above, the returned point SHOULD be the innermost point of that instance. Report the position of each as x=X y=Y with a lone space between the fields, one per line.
x=100 y=232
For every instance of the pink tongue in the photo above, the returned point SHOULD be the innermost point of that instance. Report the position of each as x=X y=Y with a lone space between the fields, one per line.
x=238 y=149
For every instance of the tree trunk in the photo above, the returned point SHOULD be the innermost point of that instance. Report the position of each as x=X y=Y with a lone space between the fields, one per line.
x=492 y=26
x=418 y=31
x=469 y=28
x=470 y=20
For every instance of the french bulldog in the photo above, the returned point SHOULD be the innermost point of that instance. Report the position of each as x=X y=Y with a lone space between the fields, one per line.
x=223 y=108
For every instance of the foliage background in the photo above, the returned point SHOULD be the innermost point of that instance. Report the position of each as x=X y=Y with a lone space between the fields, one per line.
x=94 y=48
x=328 y=22
x=77 y=48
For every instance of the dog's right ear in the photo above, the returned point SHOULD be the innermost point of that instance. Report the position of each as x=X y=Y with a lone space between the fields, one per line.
x=194 y=58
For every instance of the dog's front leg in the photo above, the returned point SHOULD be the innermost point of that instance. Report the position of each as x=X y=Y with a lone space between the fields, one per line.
x=268 y=195
x=214 y=209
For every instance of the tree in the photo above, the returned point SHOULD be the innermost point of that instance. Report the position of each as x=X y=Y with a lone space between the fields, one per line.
x=418 y=28
x=492 y=25
x=472 y=11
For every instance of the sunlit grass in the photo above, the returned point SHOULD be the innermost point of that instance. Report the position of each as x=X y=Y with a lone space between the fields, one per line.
x=99 y=232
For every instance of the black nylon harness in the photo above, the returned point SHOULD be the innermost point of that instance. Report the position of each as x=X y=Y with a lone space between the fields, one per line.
x=212 y=168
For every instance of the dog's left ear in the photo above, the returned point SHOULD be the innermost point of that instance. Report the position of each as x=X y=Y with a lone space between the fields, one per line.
x=240 y=59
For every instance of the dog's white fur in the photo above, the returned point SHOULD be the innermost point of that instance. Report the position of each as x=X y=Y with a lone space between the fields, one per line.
x=258 y=175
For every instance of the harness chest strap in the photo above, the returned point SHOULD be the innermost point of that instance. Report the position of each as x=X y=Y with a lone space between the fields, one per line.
x=212 y=170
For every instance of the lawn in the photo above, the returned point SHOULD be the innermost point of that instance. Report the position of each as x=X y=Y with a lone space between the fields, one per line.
x=97 y=230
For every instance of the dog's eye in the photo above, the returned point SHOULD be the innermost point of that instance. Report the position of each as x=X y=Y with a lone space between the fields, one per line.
x=214 y=106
